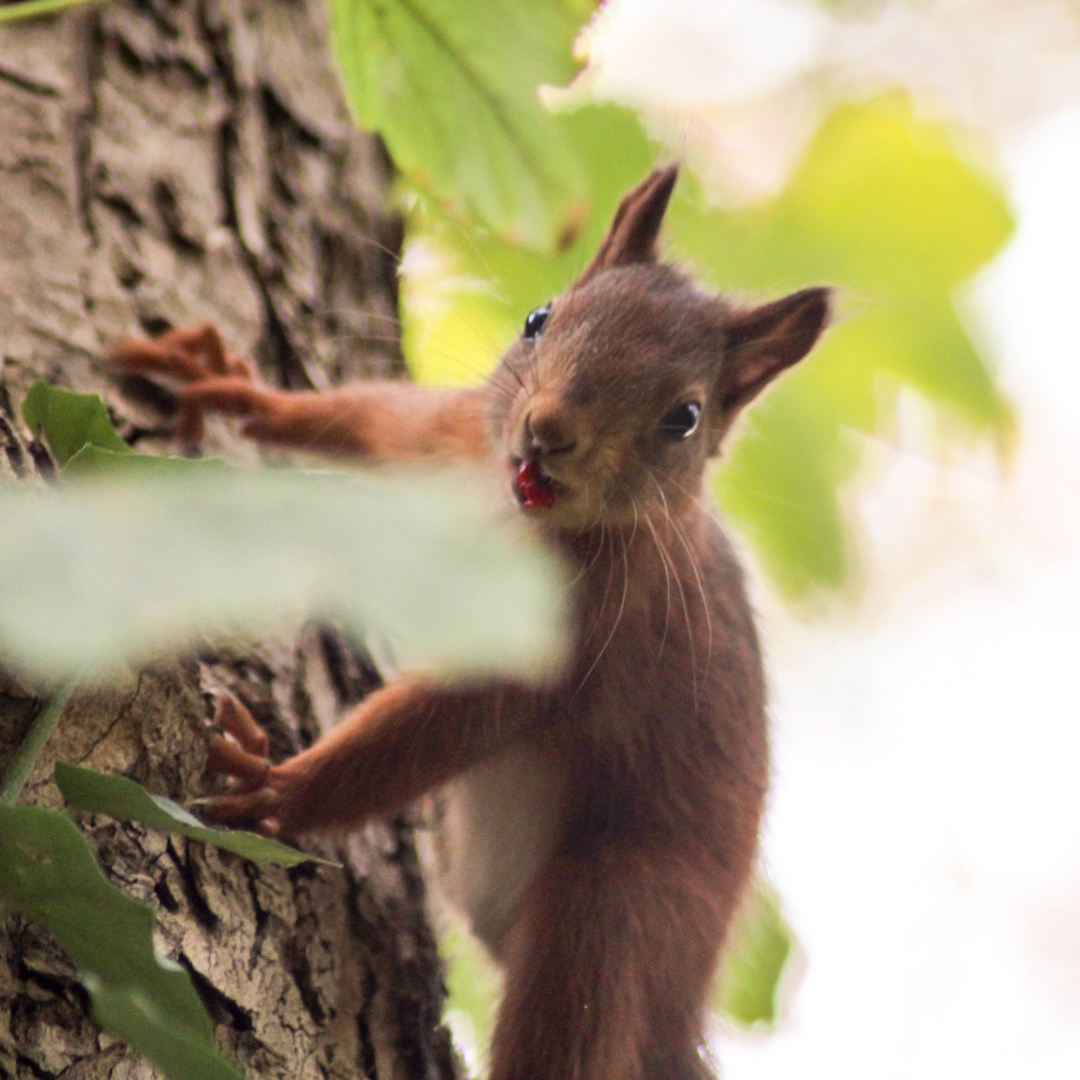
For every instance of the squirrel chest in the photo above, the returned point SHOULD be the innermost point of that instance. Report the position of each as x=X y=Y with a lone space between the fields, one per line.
x=664 y=702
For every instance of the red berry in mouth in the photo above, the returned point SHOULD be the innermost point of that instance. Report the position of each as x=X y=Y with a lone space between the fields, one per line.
x=534 y=488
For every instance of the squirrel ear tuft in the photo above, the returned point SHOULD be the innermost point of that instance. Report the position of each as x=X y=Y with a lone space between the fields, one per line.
x=764 y=341
x=632 y=235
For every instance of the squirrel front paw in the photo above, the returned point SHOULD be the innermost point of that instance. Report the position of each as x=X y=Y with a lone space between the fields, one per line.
x=211 y=377
x=239 y=751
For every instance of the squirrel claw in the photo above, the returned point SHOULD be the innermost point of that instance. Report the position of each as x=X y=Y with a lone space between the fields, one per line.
x=187 y=354
x=240 y=755
x=233 y=717
x=211 y=376
x=254 y=807
x=230 y=759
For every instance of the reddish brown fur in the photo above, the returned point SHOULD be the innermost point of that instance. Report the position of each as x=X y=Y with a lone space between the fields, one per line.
x=606 y=897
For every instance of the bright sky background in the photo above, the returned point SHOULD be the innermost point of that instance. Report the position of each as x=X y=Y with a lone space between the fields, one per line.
x=925 y=821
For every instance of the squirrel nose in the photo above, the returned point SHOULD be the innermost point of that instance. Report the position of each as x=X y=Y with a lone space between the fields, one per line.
x=548 y=433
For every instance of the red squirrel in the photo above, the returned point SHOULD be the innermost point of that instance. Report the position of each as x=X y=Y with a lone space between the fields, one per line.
x=601 y=827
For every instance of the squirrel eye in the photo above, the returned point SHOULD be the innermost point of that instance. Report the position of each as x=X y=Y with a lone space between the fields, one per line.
x=681 y=422
x=534 y=324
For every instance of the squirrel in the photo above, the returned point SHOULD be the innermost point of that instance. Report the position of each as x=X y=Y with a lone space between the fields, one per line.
x=600 y=827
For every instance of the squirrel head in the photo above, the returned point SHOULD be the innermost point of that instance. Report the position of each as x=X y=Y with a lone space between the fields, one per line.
x=619 y=390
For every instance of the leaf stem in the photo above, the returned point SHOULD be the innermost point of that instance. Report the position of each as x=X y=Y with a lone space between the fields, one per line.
x=43 y=726
x=27 y=9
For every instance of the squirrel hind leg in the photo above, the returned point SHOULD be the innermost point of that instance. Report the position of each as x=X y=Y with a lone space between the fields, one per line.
x=608 y=966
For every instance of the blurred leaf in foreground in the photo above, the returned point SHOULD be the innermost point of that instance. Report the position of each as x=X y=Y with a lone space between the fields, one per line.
x=123 y=799
x=883 y=207
x=761 y=943
x=47 y=873
x=119 y=568
x=451 y=85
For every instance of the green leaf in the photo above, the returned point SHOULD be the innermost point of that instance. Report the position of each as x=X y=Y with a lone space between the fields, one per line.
x=451 y=85
x=123 y=567
x=761 y=942
x=144 y=1025
x=125 y=800
x=473 y=989
x=95 y=460
x=884 y=208
x=779 y=482
x=70 y=421
x=49 y=874
x=34 y=742
x=27 y=9
x=455 y=333
x=83 y=440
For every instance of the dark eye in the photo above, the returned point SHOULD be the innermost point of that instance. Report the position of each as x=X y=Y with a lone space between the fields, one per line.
x=534 y=324
x=681 y=422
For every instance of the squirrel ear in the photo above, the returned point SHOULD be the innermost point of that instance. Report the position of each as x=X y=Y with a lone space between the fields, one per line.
x=765 y=340
x=632 y=235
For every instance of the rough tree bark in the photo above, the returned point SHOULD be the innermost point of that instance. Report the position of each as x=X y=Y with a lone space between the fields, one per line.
x=163 y=162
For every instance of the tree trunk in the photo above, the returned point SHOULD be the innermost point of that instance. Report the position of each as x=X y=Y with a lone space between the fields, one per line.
x=166 y=162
